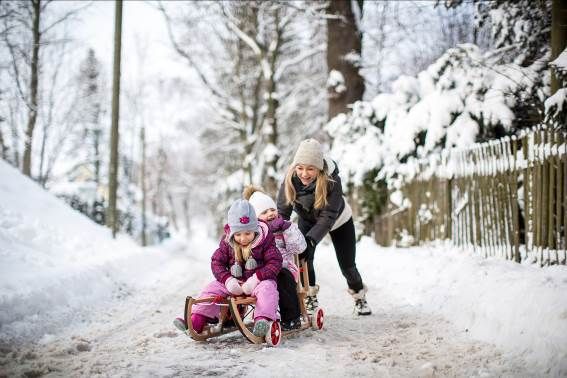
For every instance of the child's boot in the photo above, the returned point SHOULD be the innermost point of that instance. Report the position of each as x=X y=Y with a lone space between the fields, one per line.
x=261 y=326
x=360 y=305
x=311 y=302
x=180 y=324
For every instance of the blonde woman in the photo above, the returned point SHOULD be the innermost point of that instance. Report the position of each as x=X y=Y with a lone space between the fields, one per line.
x=312 y=188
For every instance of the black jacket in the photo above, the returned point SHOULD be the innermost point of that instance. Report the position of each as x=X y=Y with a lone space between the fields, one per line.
x=314 y=223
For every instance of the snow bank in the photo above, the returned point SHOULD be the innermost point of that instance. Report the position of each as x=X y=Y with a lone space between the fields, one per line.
x=519 y=308
x=57 y=266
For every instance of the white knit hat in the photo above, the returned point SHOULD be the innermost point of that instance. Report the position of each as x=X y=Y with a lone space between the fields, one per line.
x=309 y=152
x=261 y=202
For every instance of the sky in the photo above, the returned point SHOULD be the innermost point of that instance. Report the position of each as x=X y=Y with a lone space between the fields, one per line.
x=147 y=58
x=142 y=24
x=74 y=301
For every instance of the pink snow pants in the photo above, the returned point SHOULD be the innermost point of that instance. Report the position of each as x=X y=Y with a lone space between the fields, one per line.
x=266 y=294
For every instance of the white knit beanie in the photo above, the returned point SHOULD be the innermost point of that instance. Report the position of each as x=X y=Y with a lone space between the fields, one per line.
x=261 y=202
x=309 y=152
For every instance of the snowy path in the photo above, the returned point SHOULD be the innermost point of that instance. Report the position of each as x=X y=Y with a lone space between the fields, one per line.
x=135 y=338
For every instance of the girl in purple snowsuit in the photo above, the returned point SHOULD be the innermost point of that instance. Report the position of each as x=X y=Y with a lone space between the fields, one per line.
x=245 y=263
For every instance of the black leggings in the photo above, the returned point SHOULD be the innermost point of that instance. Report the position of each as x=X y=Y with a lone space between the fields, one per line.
x=288 y=302
x=344 y=241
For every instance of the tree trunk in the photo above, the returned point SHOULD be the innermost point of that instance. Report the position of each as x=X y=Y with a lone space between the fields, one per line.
x=42 y=177
x=143 y=183
x=3 y=149
x=270 y=183
x=97 y=159
x=172 y=213
x=15 y=137
x=343 y=37
x=186 y=208
x=113 y=168
x=34 y=72
x=558 y=37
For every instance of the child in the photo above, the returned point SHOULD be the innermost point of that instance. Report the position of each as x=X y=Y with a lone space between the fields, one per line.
x=290 y=241
x=245 y=263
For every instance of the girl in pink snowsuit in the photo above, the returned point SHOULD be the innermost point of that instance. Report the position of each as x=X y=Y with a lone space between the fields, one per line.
x=290 y=242
x=245 y=263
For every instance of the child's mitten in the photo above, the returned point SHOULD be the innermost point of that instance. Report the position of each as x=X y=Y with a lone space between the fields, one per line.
x=250 y=284
x=233 y=286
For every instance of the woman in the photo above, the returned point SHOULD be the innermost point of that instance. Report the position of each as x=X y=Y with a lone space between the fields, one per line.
x=312 y=188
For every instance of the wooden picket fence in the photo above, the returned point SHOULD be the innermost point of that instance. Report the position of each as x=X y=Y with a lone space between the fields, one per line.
x=505 y=198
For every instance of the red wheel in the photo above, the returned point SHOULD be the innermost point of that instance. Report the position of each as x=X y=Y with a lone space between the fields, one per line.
x=274 y=335
x=317 y=319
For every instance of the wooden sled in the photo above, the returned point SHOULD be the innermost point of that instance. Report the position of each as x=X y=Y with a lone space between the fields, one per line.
x=236 y=315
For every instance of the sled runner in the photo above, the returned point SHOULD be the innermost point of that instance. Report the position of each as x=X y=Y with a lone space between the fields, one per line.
x=236 y=313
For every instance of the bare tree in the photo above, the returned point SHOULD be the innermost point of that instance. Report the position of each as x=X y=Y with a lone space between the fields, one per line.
x=26 y=28
x=268 y=59
x=143 y=184
x=3 y=147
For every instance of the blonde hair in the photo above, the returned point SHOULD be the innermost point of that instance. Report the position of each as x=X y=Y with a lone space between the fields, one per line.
x=321 y=184
x=241 y=253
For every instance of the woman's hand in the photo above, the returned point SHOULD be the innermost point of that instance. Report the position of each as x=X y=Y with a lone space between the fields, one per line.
x=309 y=250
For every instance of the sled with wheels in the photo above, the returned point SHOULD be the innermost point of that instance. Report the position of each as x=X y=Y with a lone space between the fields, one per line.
x=236 y=314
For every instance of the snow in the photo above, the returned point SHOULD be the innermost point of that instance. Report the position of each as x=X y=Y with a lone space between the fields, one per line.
x=46 y=248
x=560 y=63
x=336 y=81
x=461 y=95
x=73 y=301
x=554 y=104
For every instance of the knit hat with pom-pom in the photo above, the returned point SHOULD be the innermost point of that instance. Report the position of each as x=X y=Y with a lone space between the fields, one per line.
x=258 y=199
x=242 y=217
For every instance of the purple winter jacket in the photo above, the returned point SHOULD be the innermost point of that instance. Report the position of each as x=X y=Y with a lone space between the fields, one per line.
x=264 y=251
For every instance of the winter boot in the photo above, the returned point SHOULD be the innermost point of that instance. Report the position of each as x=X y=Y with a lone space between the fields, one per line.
x=311 y=302
x=291 y=324
x=260 y=327
x=180 y=324
x=360 y=305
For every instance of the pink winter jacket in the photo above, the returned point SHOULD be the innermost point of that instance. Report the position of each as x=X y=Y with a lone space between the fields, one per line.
x=264 y=251
x=289 y=241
